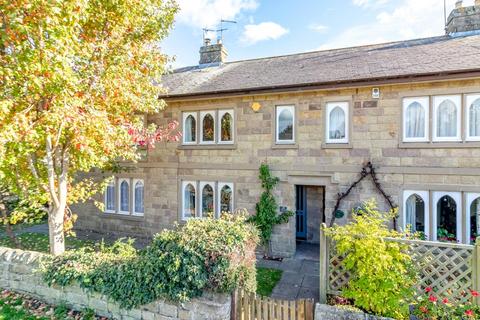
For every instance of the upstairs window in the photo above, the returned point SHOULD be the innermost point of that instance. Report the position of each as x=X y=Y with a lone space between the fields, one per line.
x=225 y=126
x=208 y=127
x=473 y=117
x=446 y=118
x=337 y=122
x=415 y=119
x=110 y=197
x=138 y=197
x=189 y=128
x=285 y=122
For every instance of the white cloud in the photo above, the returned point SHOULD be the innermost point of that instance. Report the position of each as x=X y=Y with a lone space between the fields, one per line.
x=318 y=27
x=409 y=20
x=253 y=33
x=207 y=13
x=369 y=3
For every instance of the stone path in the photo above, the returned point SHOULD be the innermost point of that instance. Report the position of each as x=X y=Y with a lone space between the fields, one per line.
x=300 y=278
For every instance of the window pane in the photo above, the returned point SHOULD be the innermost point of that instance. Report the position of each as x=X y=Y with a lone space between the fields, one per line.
x=207 y=200
x=110 y=197
x=474 y=116
x=447 y=119
x=226 y=131
x=139 y=208
x=190 y=129
x=446 y=219
x=474 y=220
x=415 y=121
x=208 y=128
x=124 y=196
x=415 y=213
x=285 y=125
x=189 y=201
x=226 y=199
x=337 y=124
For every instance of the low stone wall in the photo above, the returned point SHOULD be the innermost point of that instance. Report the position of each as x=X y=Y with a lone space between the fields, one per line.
x=19 y=273
x=327 y=312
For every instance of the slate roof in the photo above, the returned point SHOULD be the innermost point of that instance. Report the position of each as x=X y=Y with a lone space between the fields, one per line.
x=429 y=56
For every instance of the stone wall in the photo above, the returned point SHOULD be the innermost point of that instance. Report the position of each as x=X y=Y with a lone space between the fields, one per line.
x=314 y=212
x=18 y=273
x=375 y=136
x=326 y=312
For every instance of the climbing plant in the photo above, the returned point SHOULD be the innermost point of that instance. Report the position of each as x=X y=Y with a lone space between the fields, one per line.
x=267 y=215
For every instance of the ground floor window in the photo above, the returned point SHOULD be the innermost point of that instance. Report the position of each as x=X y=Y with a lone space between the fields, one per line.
x=124 y=196
x=447 y=213
x=473 y=216
x=415 y=212
x=214 y=198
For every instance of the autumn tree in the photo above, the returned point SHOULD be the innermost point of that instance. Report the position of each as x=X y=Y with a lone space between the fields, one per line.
x=74 y=76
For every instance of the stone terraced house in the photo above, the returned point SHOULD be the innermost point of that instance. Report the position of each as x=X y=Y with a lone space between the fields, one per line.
x=411 y=108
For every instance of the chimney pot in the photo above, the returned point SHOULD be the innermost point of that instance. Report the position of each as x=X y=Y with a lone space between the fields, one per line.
x=459 y=4
x=212 y=54
x=463 y=19
x=207 y=41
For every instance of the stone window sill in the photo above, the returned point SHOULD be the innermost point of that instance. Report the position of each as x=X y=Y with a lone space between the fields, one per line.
x=119 y=216
x=337 y=146
x=207 y=147
x=439 y=145
x=285 y=146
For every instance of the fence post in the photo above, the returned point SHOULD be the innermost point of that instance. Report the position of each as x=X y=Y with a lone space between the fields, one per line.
x=476 y=269
x=323 y=265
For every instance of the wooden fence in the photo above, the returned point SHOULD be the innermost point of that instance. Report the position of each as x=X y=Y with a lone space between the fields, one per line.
x=450 y=269
x=249 y=306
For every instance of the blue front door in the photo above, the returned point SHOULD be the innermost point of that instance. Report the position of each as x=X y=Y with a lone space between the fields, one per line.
x=301 y=212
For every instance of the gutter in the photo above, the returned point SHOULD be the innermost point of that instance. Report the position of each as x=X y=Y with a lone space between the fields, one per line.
x=365 y=82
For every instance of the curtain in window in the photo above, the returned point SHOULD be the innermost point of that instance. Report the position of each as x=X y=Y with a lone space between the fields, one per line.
x=447 y=119
x=285 y=125
x=226 y=199
x=190 y=128
x=337 y=123
x=474 y=219
x=415 y=121
x=226 y=129
x=110 y=194
x=124 y=200
x=474 y=115
x=139 y=206
x=189 y=201
x=410 y=216
x=207 y=200
x=208 y=128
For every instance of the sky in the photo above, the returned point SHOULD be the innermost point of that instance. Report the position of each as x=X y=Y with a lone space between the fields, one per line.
x=266 y=28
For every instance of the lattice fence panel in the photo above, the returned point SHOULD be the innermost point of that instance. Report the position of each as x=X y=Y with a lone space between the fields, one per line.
x=446 y=267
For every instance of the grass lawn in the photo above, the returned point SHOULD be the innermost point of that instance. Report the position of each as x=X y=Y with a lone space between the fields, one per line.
x=39 y=242
x=267 y=279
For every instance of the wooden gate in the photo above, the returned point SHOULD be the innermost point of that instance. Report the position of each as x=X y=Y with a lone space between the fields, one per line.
x=249 y=306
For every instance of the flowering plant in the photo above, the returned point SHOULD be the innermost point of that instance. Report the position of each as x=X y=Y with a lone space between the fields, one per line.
x=430 y=306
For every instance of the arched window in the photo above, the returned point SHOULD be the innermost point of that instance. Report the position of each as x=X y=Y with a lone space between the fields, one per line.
x=473 y=217
x=110 y=197
x=208 y=127
x=226 y=126
x=285 y=124
x=189 y=128
x=473 y=117
x=337 y=123
x=415 y=115
x=124 y=196
x=189 y=198
x=447 y=118
x=448 y=212
x=415 y=211
x=208 y=207
x=225 y=201
x=138 y=197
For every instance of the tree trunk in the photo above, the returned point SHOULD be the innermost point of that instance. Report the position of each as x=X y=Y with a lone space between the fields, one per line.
x=8 y=227
x=55 y=230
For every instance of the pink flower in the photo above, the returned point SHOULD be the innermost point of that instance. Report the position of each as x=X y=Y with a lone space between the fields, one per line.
x=432 y=298
x=474 y=293
x=445 y=300
x=424 y=309
x=469 y=313
x=428 y=289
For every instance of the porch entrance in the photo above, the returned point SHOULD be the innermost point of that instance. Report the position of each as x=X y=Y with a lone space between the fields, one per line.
x=309 y=212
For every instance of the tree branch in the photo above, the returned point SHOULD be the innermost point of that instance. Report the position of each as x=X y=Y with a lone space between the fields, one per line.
x=51 y=172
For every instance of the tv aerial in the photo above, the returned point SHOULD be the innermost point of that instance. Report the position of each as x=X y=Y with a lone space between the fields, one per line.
x=218 y=32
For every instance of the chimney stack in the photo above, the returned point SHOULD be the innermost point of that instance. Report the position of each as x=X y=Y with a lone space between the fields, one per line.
x=463 y=19
x=212 y=54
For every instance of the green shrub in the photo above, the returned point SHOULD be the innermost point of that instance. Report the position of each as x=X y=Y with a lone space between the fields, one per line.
x=205 y=254
x=381 y=272
x=267 y=216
